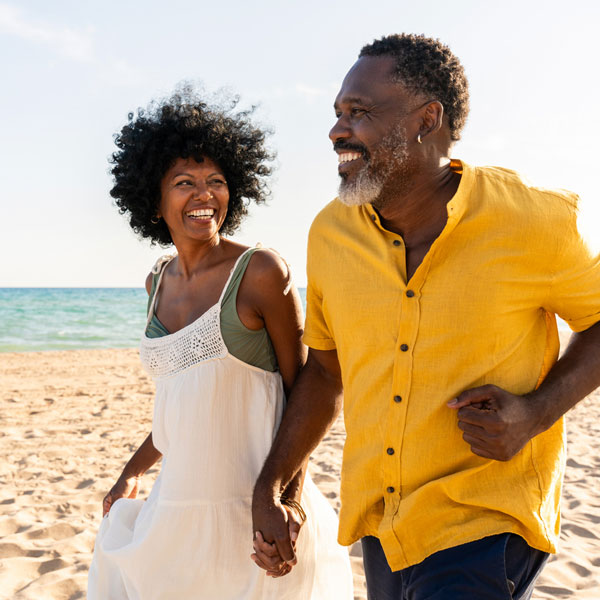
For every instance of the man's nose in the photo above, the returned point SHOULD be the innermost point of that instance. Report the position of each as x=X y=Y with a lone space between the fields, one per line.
x=341 y=130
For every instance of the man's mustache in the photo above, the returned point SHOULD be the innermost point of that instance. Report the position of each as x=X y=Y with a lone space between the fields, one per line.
x=341 y=146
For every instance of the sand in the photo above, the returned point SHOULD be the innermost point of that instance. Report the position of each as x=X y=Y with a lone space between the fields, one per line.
x=71 y=419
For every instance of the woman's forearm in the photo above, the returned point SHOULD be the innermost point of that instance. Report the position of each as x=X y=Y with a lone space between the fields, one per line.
x=294 y=488
x=145 y=456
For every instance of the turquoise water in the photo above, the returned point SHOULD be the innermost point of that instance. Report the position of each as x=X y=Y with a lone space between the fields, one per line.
x=69 y=318
x=72 y=318
x=34 y=319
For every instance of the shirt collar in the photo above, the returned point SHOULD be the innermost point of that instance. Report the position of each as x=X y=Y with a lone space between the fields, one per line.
x=456 y=206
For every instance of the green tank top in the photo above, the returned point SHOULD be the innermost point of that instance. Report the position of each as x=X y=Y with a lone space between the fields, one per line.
x=253 y=347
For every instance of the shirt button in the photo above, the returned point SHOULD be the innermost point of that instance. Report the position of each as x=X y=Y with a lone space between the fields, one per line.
x=397 y=242
x=373 y=218
x=391 y=490
x=397 y=399
x=410 y=293
x=390 y=451
x=404 y=347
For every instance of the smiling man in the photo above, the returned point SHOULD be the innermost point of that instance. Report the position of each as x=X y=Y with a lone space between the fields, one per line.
x=433 y=287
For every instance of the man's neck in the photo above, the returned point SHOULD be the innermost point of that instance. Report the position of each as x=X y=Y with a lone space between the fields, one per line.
x=419 y=213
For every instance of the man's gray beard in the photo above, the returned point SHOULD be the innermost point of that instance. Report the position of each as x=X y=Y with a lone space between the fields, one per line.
x=366 y=187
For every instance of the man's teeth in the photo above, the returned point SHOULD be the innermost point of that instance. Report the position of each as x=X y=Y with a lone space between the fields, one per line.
x=203 y=212
x=348 y=156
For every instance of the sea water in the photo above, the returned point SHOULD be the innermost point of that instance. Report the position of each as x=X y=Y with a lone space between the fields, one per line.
x=33 y=319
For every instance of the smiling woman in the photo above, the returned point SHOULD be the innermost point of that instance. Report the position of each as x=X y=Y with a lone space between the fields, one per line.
x=222 y=343
x=194 y=199
x=186 y=127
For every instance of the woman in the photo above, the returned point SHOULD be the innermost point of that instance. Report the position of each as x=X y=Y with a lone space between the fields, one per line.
x=222 y=343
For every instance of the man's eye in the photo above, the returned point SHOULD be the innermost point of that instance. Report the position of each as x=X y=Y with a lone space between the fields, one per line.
x=357 y=111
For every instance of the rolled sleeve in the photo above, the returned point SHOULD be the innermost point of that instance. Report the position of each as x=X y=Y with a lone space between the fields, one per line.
x=317 y=333
x=575 y=290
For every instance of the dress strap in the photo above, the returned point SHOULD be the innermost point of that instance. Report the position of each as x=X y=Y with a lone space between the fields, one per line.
x=249 y=251
x=159 y=269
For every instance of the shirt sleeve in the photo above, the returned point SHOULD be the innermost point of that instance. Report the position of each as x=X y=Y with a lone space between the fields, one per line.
x=575 y=291
x=317 y=332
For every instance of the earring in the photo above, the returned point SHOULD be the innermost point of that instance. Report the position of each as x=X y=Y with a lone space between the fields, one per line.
x=419 y=141
x=155 y=220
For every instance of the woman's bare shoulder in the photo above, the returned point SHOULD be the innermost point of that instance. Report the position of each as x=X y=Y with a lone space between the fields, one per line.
x=268 y=267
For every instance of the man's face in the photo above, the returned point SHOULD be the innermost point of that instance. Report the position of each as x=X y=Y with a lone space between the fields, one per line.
x=370 y=133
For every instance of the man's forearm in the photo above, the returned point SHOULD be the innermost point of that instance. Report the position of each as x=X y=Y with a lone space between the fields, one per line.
x=314 y=404
x=497 y=424
x=575 y=375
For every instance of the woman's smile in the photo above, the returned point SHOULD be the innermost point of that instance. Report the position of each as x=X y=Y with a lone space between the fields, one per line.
x=194 y=199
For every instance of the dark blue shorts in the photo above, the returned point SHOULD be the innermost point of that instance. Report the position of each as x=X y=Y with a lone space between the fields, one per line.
x=498 y=567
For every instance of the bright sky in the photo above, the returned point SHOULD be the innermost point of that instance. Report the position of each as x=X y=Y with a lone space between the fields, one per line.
x=72 y=70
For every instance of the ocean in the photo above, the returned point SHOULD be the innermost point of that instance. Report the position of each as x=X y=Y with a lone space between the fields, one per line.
x=33 y=319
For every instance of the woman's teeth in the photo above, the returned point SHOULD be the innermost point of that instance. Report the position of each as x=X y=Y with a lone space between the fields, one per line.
x=203 y=213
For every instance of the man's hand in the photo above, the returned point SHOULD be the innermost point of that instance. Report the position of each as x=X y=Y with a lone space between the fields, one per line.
x=496 y=423
x=276 y=530
x=266 y=555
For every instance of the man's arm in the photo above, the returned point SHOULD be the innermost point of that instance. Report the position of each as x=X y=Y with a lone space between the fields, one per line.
x=314 y=403
x=497 y=424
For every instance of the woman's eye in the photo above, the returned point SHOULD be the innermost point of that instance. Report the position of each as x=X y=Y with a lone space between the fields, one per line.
x=217 y=182
x=183 y=182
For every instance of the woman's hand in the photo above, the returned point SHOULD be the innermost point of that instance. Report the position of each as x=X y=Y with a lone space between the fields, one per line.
x=266 y=555
x=126 y=487
x=295 y=522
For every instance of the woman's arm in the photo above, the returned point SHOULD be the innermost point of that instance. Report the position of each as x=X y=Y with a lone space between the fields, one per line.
x=126 y=485
x=270 y=300
x=267 y=298
x=145 y=456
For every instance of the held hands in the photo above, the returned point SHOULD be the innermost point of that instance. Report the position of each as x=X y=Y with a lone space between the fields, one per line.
x=496 y=423
x=282 y=524
x=126 y=487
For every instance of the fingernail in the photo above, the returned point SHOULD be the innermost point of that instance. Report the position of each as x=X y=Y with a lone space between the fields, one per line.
x=294 y=536
x=452 y=402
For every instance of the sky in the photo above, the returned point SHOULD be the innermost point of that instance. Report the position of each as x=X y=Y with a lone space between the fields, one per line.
x=71 y=71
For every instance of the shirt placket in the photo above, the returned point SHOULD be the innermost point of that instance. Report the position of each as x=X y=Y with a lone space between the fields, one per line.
x=408 y=323
x=407 y=331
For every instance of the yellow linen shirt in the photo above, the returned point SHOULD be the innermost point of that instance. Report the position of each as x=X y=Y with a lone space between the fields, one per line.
x=478 y=310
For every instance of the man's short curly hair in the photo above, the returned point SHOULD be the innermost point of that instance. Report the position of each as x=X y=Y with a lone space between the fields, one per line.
x=185 y=126
x=426 y=66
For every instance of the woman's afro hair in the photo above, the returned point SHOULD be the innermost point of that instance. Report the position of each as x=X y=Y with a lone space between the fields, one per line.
x=184 y=126
x=428 y=67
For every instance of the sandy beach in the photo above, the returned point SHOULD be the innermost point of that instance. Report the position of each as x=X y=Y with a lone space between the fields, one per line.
x=71 y=419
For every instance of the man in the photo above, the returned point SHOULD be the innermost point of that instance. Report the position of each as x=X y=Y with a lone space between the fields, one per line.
x=432 y=293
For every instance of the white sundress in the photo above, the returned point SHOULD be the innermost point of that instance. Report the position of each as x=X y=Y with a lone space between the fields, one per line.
x=215 y=418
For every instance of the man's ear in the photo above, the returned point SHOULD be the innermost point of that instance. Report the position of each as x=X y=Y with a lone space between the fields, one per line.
x=432 y=116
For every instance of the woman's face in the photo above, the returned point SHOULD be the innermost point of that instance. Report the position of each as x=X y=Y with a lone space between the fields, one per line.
x=193 y=199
